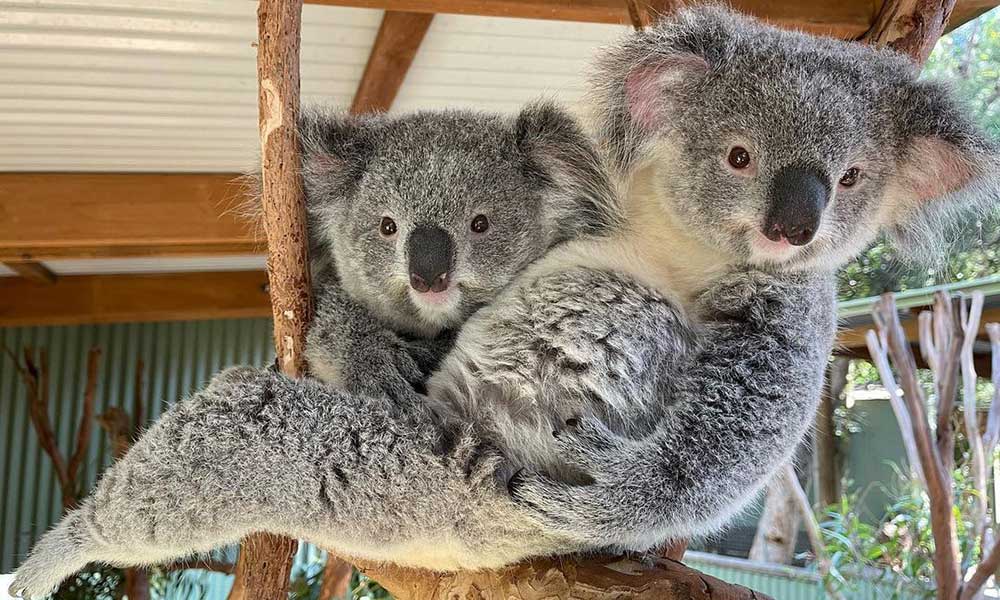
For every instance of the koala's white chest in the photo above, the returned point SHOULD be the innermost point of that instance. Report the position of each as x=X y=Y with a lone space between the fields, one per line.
x=567 y=342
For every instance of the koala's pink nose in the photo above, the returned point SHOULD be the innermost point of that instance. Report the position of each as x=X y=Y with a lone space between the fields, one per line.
x=438 y=284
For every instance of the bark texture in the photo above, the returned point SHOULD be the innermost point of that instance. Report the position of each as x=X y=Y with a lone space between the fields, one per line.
x=265 y=561
x=910 y=26
x=567 y=578
x=826 y=453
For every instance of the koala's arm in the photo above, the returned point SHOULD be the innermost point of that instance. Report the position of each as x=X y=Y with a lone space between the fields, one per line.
x=349 y=347
x=256 y=451
x=737 y=411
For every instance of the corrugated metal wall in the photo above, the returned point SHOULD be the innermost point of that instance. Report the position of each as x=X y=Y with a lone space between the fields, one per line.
x=790 y=583
x=180 y=357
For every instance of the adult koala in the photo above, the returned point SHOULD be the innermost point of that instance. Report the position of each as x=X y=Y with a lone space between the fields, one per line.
x=626 y=389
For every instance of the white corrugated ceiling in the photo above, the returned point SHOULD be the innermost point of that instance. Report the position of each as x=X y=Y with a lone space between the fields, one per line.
x=131 y=85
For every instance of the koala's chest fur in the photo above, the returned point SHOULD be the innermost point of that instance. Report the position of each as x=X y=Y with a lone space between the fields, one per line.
x=583 y=333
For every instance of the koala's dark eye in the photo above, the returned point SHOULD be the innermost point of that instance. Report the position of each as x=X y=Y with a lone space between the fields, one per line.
x=850 y=177
x=739 y=158
x=387 y=227
x=480 y=224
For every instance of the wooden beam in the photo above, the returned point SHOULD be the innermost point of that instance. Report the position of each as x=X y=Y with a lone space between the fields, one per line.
x=840 y=19
x=32 y=271
x=911 y=27
x=854 y=337
x=76 y=299
x=399 y=37
x=77 y=215
x=849 y=19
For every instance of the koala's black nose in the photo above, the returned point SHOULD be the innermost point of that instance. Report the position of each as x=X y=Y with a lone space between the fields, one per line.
x=798 y=197
x=430 y=249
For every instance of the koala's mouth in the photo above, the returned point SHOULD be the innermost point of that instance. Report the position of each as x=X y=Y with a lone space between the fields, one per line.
x=766 y=250
x=441 y=307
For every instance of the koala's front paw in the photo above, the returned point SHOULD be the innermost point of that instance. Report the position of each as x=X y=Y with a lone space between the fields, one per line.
x=744 y=294
x=381 y=366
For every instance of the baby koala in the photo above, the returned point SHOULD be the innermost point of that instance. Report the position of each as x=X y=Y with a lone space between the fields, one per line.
x=416 y=221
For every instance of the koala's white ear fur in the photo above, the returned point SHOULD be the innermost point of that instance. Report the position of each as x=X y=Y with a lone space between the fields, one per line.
x=648 y=87
x=942 y=182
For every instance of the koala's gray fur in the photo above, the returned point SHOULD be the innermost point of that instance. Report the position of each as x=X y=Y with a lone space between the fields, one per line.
x=534 y=176
x=625 y=389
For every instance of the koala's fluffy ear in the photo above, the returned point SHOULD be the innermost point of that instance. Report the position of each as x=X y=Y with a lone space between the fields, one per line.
x=947 y=175
x=634 y=83
x=579 y=198
x=335 y=150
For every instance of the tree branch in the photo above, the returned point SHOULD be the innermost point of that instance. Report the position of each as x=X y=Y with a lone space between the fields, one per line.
x=985 y=569
x=85 y=427
x=880 y=356
x=993 y=420
x=971 y=313
x=937 y=482
x=265 y=561
x=580 y=579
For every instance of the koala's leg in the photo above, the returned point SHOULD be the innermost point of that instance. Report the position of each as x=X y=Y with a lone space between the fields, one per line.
x=256 y=451
x=736 y=411
x=204 y=475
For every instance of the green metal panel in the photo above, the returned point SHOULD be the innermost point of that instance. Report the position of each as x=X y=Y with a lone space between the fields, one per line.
x=790 y=583
x=870 y=453
x=180 y=357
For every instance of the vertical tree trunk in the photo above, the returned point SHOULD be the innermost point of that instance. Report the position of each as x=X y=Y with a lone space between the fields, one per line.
x=826 y=454
x=779 y=523
x=265 y=561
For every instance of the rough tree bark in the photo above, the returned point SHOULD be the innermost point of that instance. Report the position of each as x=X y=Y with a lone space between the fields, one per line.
x=778 y=528
x=910 y=26
x=580 y=579
x=265 y=561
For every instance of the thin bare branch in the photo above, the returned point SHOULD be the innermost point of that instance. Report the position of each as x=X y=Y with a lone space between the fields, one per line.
x=336 y=578
x=993 y=421
x=971 y=313
x=879 y=354
x=36 y=378
x=116 y=423
x=811 y=526
x=947 y=345
x=981 y=575
x=85 y=427
x=138 y=402
x=928 y=349
x=635 y=14
x=938 y=483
